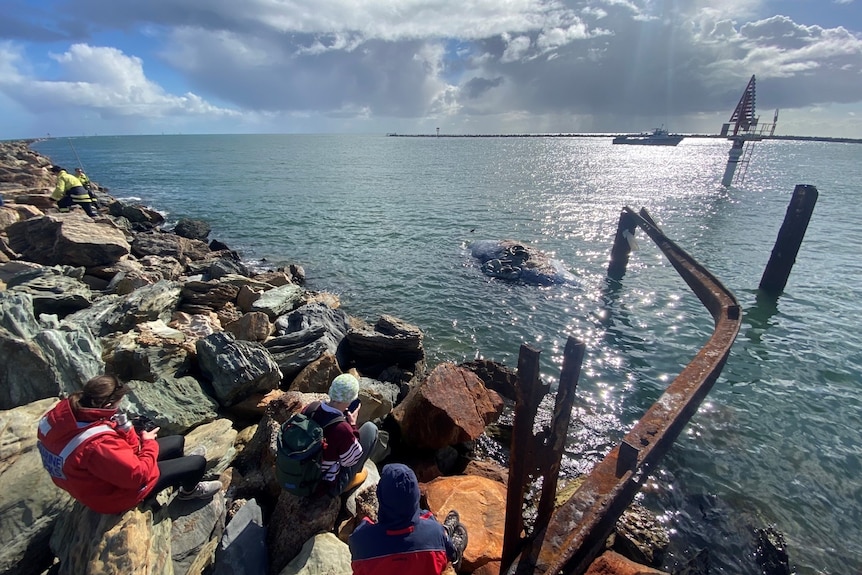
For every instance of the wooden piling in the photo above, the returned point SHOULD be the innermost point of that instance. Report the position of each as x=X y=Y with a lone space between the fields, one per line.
x=621 y=250
x=789 y=239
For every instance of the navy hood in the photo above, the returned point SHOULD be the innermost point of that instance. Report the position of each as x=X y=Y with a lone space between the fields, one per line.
x=398 y=496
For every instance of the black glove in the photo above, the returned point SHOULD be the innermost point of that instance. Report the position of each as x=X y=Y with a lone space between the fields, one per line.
x=143 y=423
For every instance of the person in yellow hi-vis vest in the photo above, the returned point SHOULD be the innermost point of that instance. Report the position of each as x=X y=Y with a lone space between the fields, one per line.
x=70 y=190
x=88 y=185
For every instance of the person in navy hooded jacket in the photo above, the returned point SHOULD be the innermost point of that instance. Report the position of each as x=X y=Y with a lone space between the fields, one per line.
x=405 y=538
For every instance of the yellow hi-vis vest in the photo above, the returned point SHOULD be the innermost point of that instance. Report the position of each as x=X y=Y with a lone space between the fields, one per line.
x=67 y=183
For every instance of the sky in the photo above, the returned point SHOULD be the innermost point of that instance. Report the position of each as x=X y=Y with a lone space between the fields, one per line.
x=118 y=67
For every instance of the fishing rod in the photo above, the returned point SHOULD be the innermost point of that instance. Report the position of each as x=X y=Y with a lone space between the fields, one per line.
x=80 y=165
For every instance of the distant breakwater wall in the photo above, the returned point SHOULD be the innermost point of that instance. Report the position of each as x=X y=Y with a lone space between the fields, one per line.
x=629 y=134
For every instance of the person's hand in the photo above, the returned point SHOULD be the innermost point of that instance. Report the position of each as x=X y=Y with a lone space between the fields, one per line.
x=350 y=416
x=151 y=434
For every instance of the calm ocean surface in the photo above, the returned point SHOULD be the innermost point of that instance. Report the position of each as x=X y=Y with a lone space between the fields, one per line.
x=385 y=223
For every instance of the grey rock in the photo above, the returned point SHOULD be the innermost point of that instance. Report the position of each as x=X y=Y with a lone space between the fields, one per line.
x=166 y=267
x=72 y=239
x=73 y=353
x=9 y=270
x=305 y=335
x=195 y=530
x=16 y=314
x=29 y=501
x=149 y=303
x=226 y=266
x=135 y=213
x=25 y=374
x=128 y=281
x=640 y=536
x=378 y=399
x=389 y=342
x=176 y=404
x=278 y=301
x=323 y=553
x=294 y=521
x=97 y=316
x=56 y=290
x=510 y=260
x=242 y=550
x=236 y=368
x=138 y=541
x=169 y=245
x=241 y=280
x=218 y=437
x=160 y=354
x=192 y=229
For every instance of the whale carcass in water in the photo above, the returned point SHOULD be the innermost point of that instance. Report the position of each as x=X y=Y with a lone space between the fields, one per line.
x=510 y=260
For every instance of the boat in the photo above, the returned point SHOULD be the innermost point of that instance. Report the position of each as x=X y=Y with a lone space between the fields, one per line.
x=658 y=137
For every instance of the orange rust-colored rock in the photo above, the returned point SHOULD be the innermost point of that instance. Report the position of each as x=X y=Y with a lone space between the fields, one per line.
x=450 y=406
x=481 y=503
x=610 y=563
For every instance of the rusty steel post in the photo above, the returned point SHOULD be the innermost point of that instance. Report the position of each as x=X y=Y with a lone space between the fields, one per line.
x=533 y=456
x=621 y=250
x=530 y=392
x=577 y=531
x=573 y=358
x=789 y=239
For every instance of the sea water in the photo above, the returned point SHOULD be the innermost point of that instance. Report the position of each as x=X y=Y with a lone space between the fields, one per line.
x=386 y=223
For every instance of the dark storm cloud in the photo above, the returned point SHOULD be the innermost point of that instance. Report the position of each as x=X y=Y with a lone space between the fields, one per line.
x=303 y=72
x=24 y=23
x=576 y=64
x=636 y=71
x=659 y=66
x=475 y=87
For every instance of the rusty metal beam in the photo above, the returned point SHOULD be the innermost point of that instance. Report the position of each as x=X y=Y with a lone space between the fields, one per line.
x=537 y=455
x=577 y=531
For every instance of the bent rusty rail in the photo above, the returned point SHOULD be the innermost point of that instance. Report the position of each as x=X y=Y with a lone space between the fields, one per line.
x=576 y=533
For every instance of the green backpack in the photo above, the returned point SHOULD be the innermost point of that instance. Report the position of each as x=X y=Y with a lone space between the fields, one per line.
x=300 y=449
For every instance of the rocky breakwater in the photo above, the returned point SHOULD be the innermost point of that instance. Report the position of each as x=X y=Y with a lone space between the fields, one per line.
x=223 y=356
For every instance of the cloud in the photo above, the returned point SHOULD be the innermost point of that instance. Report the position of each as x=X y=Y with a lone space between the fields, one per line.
x=570 y=64
x=100 y=79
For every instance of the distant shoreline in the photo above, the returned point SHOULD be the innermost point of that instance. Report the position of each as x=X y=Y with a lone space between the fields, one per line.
x=590 y=135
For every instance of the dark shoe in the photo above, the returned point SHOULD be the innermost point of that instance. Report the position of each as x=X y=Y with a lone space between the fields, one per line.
x=459 y=540
x=457 y=534
x=452 y=519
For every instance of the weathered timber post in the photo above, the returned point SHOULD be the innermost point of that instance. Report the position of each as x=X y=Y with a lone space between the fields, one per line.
x=621 y=250
x=789 y=239
x=533 y=456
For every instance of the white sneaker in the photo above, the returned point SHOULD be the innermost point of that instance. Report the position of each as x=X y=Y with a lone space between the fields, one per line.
x=199 y=450
x=203 y=490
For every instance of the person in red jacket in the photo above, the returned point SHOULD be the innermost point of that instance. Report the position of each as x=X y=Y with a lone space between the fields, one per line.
x=93 y=452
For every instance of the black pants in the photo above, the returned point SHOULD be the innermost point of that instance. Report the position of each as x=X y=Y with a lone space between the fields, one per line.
x=176 y=469
x=64 y=203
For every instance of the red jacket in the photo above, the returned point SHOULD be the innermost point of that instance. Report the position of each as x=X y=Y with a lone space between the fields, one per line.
x=107 y=469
